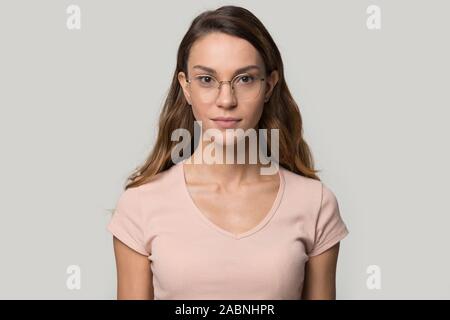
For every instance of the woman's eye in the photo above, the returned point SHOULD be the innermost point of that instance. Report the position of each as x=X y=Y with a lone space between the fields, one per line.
x=205 y=78
x=246 y=79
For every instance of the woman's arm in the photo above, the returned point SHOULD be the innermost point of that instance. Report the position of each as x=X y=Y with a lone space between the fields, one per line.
x=134 y=275
x=320 y=276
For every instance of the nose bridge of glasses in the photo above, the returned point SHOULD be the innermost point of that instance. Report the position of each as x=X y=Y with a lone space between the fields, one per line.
x=230 y=82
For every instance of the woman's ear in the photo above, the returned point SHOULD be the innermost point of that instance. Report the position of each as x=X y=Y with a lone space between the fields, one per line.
x=271 y=82
x=184 y=85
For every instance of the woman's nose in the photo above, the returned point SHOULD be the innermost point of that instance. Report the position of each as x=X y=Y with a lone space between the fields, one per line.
x=226 y=96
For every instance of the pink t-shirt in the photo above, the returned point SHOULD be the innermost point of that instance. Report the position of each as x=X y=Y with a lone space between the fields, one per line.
x=193 y=258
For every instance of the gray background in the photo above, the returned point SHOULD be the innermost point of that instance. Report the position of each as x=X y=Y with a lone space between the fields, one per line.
x=78 y=112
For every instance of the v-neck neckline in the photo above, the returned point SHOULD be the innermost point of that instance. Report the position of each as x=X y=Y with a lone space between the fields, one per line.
x=214 y=226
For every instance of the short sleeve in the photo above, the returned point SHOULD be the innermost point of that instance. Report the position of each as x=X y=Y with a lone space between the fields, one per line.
x=126 y=222
x=329 y=227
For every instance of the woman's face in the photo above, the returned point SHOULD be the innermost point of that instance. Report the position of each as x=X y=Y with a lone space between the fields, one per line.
x=224 y=55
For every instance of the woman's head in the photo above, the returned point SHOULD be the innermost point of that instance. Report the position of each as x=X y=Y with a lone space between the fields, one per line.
x=223 y=41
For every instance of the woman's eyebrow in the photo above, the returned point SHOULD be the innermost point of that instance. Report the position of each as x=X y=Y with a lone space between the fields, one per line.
x=240 y=70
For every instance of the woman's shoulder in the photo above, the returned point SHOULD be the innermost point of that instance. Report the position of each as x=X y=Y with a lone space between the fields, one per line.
x=161 y=181
x=300 y=182
x=307 y=191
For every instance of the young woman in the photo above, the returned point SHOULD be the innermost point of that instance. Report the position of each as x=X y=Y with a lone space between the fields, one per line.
x=186 y=230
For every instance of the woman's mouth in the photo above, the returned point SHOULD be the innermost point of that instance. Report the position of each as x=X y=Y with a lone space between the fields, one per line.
x=225 y=123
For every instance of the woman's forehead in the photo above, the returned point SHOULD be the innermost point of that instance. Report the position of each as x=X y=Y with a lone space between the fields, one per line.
x=223 y=54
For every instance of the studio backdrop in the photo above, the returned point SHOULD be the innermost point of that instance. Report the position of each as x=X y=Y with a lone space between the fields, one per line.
x=82 y=84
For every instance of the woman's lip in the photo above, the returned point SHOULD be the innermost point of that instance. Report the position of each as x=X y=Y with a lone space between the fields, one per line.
x=226 y=118
x=226 y=123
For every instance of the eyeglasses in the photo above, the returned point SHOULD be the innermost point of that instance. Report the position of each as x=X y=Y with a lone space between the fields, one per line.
x=243 y=86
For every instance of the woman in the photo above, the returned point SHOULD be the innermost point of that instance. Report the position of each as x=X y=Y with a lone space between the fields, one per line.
x=187 y=230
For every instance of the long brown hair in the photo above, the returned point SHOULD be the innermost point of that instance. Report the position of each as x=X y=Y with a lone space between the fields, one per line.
x=280 y=112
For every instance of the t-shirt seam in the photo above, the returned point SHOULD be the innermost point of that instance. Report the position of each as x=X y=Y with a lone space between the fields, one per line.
x=126 y=238
x=141 y=222
x=340 y=233
x=319 y=210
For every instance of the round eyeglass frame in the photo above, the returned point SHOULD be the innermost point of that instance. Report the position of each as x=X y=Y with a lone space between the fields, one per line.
x=229 y=81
